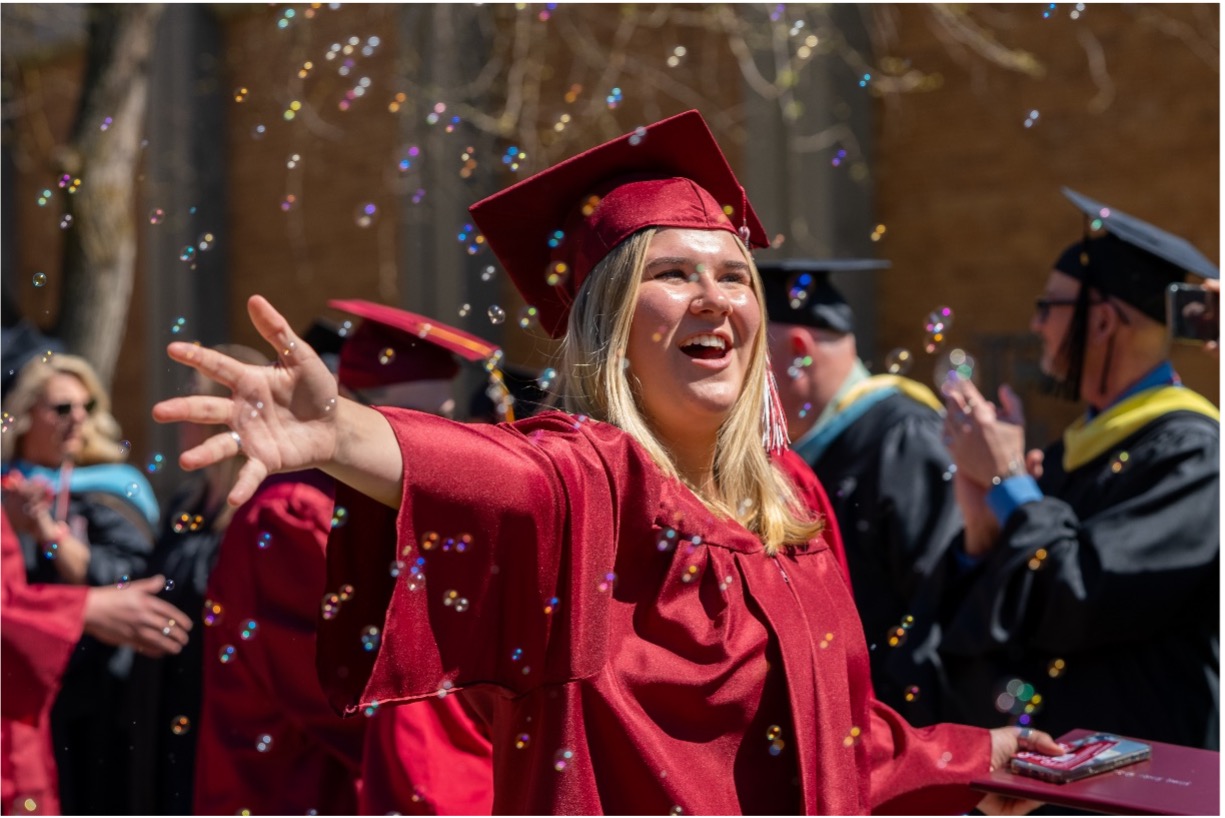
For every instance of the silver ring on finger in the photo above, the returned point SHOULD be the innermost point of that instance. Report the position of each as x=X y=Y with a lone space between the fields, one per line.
x=237 y=441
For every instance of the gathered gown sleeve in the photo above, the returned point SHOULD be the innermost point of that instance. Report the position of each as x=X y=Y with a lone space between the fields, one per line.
x=499 y=529
x=39 y=625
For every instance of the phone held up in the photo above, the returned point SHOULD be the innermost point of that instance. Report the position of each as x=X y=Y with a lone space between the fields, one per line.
x=1192 y=313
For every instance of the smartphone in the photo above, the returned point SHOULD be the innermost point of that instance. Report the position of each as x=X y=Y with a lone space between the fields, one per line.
x=1192 y=313
x=1091 y=755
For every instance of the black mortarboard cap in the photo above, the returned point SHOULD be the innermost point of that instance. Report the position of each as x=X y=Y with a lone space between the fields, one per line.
x=799 y=291
x=1130 y=259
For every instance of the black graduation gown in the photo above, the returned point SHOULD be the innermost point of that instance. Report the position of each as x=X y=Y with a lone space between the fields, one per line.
x=889 y=480
x=1117 y=627
x=167 y=692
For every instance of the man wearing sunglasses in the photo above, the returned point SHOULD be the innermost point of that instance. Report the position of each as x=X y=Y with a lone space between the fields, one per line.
x=1084 y=591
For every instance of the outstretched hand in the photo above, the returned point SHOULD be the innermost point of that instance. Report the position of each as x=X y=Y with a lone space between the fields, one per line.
x=134 y=615
x=281 y=417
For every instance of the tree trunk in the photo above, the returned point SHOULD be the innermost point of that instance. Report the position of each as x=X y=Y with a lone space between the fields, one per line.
x=100 y=250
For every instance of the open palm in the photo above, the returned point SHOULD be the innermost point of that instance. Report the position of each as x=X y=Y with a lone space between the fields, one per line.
x=282 y=417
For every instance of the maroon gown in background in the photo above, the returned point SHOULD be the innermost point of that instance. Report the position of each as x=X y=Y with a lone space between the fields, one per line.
x=269 y=741
x=635 y=654
x=432 y=757
x=40 y=625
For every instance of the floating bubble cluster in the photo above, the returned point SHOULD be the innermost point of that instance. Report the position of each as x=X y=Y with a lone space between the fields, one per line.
x=529 y=318
x=667 y=540
x=213 y=613
x=898 y=361
x=340 y=516
x=330 y=606
x=799 y=288
x=952 y=368
x=1038 y=559
x=896 y=635
x=939 y=321
x=366 y=214
x=1018 y=698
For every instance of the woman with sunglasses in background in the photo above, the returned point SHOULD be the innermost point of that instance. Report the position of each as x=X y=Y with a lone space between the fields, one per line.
x=84 y=518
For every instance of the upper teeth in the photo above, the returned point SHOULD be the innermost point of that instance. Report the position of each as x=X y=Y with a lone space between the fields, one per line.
x=707 y=341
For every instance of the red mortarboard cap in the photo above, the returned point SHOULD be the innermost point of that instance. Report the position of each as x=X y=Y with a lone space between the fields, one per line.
x=550 y=229
x=421 y=348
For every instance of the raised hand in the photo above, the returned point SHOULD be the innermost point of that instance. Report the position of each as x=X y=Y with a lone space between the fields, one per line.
x=985 y=442
x=281 y=417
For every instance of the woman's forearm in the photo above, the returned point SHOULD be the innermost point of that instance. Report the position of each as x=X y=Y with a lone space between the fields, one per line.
x=367 y=455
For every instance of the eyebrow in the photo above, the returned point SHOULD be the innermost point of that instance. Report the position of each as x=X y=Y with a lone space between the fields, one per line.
x=676 y=261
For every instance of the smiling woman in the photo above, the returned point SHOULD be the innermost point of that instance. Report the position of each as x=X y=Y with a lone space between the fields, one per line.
x=653 y=593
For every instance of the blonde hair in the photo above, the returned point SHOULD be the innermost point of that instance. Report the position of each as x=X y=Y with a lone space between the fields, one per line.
x=748 y=488
x=100 y=432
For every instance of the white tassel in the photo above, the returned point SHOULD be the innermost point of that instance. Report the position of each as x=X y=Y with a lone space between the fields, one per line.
x=773 y=419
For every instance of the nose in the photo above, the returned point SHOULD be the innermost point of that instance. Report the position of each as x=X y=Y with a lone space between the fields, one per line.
x=1036 y=320
x=710 y=297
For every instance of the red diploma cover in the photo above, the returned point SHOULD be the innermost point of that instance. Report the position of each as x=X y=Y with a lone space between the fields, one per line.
x=1177 y=780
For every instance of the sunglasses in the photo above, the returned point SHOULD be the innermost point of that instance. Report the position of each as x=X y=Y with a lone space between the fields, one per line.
x=1042 y=306
x=65 y=409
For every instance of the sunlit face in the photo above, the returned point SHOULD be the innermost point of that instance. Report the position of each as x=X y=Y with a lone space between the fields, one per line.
x=692 y=334
x=57 y=421
x=1061 y=291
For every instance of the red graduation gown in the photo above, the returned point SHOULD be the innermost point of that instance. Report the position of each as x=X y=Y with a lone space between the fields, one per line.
x=427 y=758
x=270 y=569
x=637 y=655
x=432 y=757
x=40 y=626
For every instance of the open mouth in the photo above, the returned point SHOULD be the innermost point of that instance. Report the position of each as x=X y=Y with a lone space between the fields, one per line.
x=707 y=347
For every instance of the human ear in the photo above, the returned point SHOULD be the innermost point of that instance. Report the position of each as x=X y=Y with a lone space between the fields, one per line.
x=799 y=341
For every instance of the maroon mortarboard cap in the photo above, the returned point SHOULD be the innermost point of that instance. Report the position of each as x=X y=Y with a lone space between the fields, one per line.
x=397 y=346
x=550 y=229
